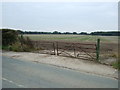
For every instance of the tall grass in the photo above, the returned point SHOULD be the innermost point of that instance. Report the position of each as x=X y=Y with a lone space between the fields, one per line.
x=116 y=65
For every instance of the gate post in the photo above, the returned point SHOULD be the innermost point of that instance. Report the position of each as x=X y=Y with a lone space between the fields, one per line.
x=54 y=47
x=57 y=47
x=98 y=49
x=74 y=50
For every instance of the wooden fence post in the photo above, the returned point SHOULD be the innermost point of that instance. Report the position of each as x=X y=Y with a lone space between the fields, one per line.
x=98 y=49
x=57 y=47
x=74 y=50
x=54 y=47
x=21 y=40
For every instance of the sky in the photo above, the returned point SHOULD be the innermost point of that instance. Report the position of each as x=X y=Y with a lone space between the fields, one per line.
x=60 y=16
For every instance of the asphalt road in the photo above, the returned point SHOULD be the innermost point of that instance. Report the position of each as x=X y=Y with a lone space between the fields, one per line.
x=26 y=74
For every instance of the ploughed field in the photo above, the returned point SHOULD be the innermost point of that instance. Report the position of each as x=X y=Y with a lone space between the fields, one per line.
x=108 y=44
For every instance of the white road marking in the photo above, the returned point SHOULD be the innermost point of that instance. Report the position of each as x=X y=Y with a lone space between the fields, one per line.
x=19 y=85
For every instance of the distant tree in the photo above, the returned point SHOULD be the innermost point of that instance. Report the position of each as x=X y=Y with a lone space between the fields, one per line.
x=55 y=32
x=74 y=32
x=67 y=33
x=83 y=33
x=109 y=33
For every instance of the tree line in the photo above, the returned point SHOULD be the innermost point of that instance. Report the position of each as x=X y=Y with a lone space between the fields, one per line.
x=108 y=33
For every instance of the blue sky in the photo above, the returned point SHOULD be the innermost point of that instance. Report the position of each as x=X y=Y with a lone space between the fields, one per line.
x=64 y=17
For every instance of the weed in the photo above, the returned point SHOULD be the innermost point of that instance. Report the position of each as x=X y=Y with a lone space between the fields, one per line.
x=16 y=47
x=116 y=65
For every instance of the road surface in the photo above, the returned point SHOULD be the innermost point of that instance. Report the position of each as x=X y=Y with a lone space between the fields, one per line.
x=26 y=74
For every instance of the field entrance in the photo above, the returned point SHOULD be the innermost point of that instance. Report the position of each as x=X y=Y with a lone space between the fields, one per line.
x=77 y=50
x=44 y=47
x=68 y=49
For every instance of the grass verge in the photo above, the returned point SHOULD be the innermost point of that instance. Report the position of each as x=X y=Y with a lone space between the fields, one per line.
x=116 y=65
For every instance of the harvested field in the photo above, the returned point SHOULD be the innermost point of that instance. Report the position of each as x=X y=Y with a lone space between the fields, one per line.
x=77 y=45
x=73 y=38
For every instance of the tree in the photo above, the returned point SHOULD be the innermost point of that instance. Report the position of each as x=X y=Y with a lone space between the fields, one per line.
x=83 y=33
x=109 y=33
x=55 y=32
x=74 y=32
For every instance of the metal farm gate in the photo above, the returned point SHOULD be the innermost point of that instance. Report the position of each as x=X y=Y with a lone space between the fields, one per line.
x=76 y=50
x=44 y=47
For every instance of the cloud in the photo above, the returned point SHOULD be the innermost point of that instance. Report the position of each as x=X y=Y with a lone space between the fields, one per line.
x=62 y=16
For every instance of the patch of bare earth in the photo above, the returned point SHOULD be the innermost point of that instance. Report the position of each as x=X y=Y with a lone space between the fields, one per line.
x=66 y=62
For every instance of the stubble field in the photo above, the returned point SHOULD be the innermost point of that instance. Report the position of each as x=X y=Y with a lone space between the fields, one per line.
x=73 y=38
x=108 y=44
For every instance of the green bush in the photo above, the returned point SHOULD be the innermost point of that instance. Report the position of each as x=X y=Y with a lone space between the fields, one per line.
x=5 y=47
x=16 y=47
x=116 y=65
x=9 y=37
x=26 y=41
x=26 y=44
x=0 y=47
x=13 y=42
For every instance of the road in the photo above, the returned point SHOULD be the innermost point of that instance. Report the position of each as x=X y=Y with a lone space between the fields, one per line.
x=26 y=74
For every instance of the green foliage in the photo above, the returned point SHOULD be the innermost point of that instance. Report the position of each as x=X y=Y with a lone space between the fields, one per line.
x=74 y=32
x=83 y=33
x=13 y=42
x=16 y=47
x=5 y=47
x=0 y=46
x=25 y=41
x=116 y=65
x=56 y=32
x=9 y=37
x=109 y=33
x=22 y=45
